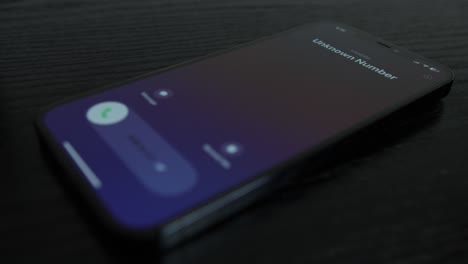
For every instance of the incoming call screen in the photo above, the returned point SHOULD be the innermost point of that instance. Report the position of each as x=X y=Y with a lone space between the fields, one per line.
x=154 y=148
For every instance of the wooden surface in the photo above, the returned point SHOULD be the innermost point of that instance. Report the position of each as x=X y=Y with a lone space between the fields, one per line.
x=403 y=199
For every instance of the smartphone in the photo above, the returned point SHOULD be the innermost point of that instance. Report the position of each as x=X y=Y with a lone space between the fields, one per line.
x=167 y=154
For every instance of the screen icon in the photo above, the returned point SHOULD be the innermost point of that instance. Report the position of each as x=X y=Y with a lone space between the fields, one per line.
x=160 y=166
x=232 y=149
x=163 y=93
x=107 y=113
x=341 y=29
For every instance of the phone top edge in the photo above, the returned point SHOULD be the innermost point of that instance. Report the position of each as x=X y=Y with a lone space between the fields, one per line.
x=403 y=51
x=368 y=36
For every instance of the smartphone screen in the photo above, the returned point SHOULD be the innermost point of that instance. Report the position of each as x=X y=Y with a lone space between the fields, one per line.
x=154 y=148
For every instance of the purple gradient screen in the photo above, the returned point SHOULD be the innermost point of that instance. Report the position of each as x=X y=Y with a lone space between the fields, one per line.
x=198 y=130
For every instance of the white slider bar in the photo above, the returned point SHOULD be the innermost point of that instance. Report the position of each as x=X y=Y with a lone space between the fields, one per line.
x=92 y=178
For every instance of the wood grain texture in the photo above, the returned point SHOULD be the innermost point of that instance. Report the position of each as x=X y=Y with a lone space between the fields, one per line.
x=404 y=201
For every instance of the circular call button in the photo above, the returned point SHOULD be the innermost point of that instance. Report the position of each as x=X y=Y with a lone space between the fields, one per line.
x=107 y=113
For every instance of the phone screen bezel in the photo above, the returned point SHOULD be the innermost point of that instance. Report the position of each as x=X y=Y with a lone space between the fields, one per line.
x=157 y=231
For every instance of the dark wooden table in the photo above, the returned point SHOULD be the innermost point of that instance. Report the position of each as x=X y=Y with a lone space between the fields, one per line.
x=402 y=199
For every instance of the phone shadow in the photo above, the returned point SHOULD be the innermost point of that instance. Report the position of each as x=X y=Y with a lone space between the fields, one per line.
x=393 y=130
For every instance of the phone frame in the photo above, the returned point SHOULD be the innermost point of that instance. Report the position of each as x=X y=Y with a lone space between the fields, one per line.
x=226 y=203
